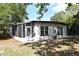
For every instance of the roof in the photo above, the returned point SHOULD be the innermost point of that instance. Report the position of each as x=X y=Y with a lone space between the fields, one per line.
x=54 y=22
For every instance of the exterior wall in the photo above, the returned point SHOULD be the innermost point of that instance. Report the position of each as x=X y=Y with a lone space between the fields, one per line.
x=51 y=27
x=35 y=31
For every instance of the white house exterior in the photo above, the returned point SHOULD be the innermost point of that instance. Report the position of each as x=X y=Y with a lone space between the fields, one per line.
x=38 y=30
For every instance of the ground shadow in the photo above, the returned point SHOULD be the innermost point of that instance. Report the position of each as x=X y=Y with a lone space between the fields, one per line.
x=74 y=28
x=47 y=47
x=5 y=38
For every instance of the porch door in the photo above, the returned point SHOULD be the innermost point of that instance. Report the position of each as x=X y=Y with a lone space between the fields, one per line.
x=28 y=31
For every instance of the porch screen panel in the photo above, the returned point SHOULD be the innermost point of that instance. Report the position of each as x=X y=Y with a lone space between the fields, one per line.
x=19 y=30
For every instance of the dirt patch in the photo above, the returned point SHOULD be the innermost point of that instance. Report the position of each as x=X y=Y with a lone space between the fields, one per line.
x=76 y=47
x=9 y=42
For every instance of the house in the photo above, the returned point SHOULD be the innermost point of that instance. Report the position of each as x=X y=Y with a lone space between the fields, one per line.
x=38 y=30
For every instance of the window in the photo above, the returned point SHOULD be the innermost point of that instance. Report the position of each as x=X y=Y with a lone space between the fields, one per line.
x=60 y=30
x=44 y=30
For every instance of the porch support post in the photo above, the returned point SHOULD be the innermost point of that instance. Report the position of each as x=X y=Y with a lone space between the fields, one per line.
x=64 y=31
x=31 y=30
x=17 y=31
x=25 y=30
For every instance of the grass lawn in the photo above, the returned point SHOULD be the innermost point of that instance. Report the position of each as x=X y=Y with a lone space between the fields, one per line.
x=12 y=47
x=9 y=51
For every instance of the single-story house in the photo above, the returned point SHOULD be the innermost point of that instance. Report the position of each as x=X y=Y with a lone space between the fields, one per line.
x=38 y=30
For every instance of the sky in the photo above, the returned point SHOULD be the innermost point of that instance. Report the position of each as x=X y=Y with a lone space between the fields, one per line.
x=52 y=9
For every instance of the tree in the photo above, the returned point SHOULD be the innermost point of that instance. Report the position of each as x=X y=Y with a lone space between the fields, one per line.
x=41 y=9
x=11 y=13
x=59 y=17
x=62 y=16
x=18 y=12
x=15 y=13
x=67 y=15
x=71 y=17
x=4 y=9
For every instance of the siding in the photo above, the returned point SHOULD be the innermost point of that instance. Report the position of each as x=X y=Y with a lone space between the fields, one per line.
x=51 y=27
